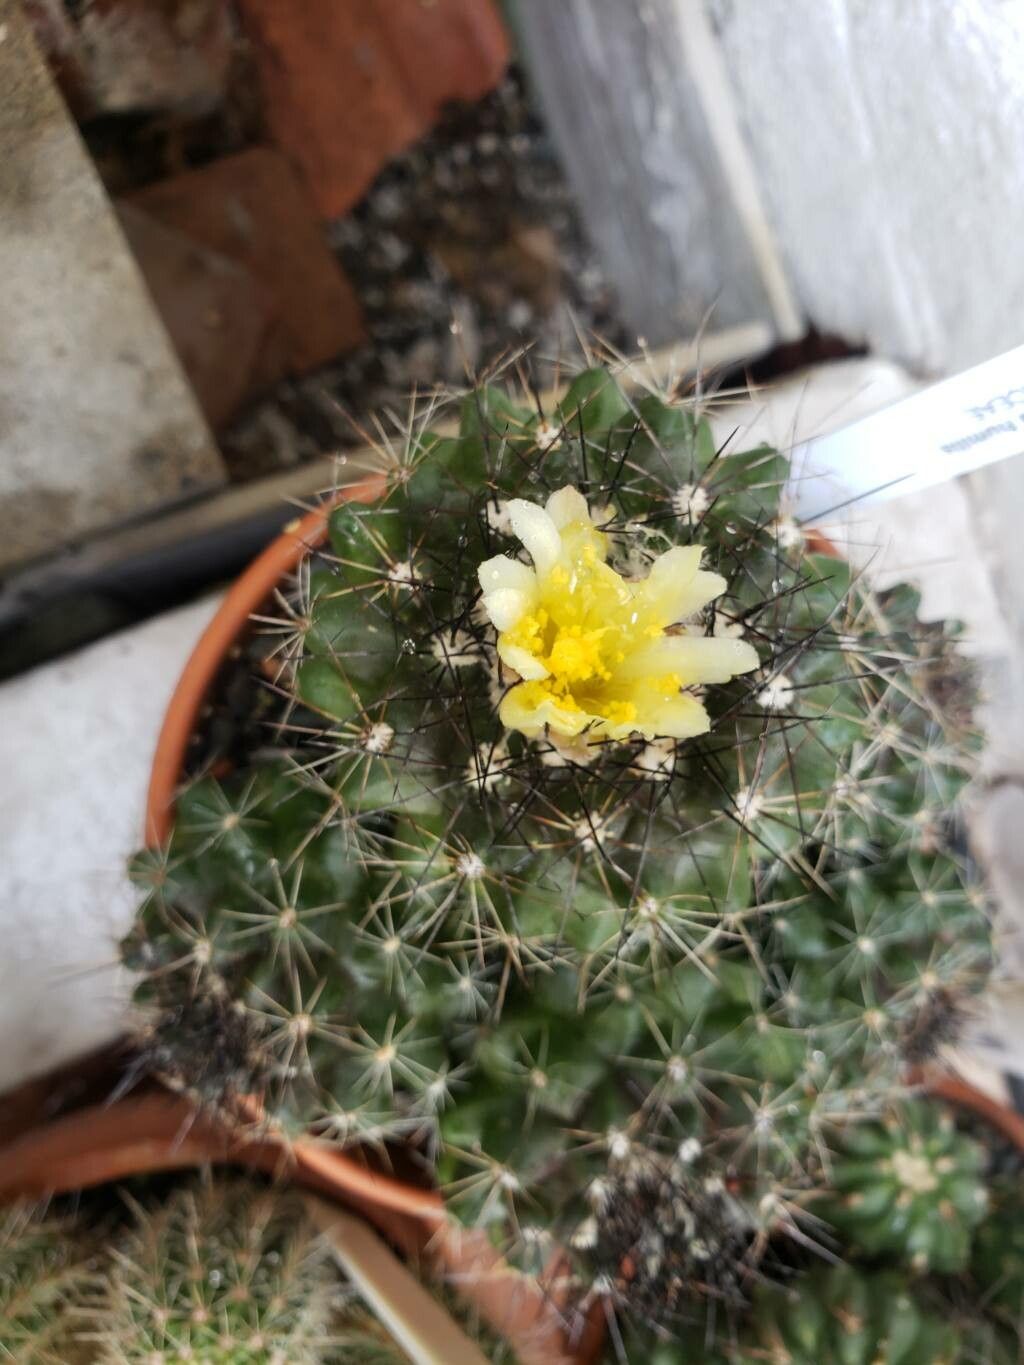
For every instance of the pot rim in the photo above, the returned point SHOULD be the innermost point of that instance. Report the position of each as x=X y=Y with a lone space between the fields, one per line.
x=247 y=593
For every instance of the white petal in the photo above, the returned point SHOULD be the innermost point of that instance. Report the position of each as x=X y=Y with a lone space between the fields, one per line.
x=567 y=505
x=697 y=659
x=524 y=663
x=507 y=607
x=503 y=572
x=538 y=533
x=704 y=588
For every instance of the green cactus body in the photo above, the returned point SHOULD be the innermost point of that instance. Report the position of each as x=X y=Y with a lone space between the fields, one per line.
x=212 y=1272
x=46 y=1266
x=849 y=1318
x=223 y=1273
x=997 y=1256
x=550 y=959
x=910 y=1186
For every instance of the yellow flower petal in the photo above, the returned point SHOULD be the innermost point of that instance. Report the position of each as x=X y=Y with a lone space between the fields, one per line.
x=676 y=586
x=528 y=708
x=567 y=505
x=696 y=658
x=680 y=717
x=510 y=590
x=521 y=661
x=507 y=607
x=589 y=645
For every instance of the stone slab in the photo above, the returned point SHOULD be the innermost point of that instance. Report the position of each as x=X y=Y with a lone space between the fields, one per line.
x=97 y=421
x=658 y=196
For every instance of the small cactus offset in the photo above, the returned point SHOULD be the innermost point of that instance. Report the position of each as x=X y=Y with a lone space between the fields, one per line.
x=222 y=1272
x=46 y=1268
x=215 y=1272
x=910 y=1186
x=604 y=844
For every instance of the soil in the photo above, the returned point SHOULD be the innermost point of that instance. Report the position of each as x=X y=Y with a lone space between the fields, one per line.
x=466 y=249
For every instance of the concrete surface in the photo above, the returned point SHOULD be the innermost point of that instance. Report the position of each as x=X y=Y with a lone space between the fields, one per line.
x=76 y=741
x=97 y=422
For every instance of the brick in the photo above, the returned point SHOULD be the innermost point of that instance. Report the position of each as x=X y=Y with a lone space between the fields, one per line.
x=348 y=86
x=217 y=315
x=254 y=210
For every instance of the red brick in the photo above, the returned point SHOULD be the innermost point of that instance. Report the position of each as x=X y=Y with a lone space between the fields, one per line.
x=348 y=84
x=217 y=316
x=253 y=209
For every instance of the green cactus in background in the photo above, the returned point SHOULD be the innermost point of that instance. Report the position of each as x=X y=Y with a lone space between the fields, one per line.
x=910 y=1186
x=850 y=1318
x=45 y=1268
x=605 y=846
x=997 y=1256
x=221 y=1272
x=215 y=1272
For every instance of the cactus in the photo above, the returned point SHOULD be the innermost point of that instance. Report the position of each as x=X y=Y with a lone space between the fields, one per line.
x=844 y=1316
x=45 y=1268
x=605 y=846
x=997 y=1255
x=222 y=1272
x=910 y=1186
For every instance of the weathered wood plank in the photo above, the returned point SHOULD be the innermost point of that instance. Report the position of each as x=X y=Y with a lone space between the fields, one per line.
x=667 y=198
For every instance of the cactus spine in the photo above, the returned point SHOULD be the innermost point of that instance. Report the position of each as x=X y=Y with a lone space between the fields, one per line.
x=214 y=1272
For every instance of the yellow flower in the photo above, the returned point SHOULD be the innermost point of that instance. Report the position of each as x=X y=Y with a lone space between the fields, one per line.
x=591 y=648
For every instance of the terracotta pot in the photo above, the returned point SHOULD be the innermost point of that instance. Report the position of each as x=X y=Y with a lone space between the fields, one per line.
x=158 y=1131
x=246 y=595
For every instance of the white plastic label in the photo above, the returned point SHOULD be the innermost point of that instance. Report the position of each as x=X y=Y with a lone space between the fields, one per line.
x=969 y=420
